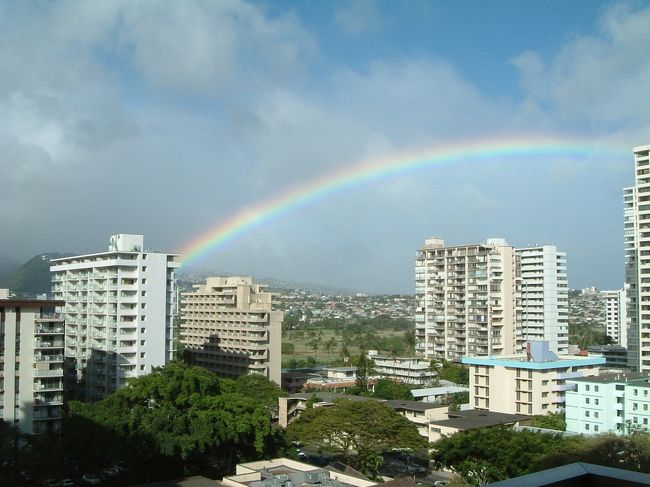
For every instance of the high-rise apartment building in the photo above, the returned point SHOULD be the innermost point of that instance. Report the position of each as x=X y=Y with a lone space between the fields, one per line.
x=31 y=364
x=637 y=266
x=466 y=299
x=544 y=296
x=229 y=326
x=118 y=312
x=616 y=315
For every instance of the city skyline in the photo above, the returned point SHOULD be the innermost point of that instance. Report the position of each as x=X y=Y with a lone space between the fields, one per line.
x=120 y=118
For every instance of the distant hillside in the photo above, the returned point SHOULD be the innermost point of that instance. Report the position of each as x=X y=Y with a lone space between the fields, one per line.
x=33 y=277
x=7 y=266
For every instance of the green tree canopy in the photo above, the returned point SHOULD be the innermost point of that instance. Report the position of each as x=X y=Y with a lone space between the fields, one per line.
x=389 y=389
x=360 y=430
x=552 y=421
x=485 y=455
x=173 y=420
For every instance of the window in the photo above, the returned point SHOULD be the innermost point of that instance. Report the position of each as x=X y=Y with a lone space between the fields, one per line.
x=586 y=400
x=144 y=293
x=636 y=392
x=144 y=281
x=142 y=354
x=587 y=387
x=544 y=383
x=142 y=342
x=143 y=305
x=596 y=401
x=645 y=421
x=144 y=317
x=587 y=427
x=142 y=367
x=645 y=407
x=595 y=414
x=143 y=330
x=144 y=268
x=595 y=388
x=595 y=427
x=587 y=413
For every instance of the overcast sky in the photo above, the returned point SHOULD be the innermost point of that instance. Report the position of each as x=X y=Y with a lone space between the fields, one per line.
x=165 y=118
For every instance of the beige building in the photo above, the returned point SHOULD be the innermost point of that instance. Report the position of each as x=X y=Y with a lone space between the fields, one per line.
x=467 y=299
x=118 y=312
x=637 y=254
x=531 y=383
x=229 y=326
x=31 y=364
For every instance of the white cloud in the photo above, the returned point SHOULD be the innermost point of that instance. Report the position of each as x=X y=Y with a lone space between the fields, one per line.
x=355 y=17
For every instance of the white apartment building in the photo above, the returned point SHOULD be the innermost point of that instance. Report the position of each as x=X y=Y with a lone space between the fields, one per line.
x=230 y=326
x=415 y=371
x=637 y=252
x=544 y=296
x=610 y=403
x=118 y=312
x=31 y=364
x=616 y=315
x=531 y=383
x=466 y=299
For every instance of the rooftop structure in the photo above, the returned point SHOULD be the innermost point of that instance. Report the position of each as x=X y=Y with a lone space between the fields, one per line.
x=415 y=371
x=470 y=419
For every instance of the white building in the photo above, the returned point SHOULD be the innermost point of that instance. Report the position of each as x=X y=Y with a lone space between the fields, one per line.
x=466 y=299
x=414 y=371
x=531 y=383
x=616 y=315
x=118 y=313
x=610 y=403
x=637 y=275
x=230 y=326
x=544 y=296
x=31 y=364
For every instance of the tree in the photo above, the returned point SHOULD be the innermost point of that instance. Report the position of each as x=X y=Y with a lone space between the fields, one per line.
x=389 y=389
x=409 y=339
x=453 y=373
x=364 y=369
x=173 y=421
x=486 y=455
x=552 y=421
x=360 y=430
x=288 y=348
x=330 y=345
x=314 y=344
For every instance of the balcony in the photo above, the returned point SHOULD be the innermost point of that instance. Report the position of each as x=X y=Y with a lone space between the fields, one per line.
x=48 y=373
x=52 y=344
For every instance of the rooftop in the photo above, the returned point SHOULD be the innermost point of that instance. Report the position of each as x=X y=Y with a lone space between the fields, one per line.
x=476 y=418
x=436 y=391
x=395 y=404
x=614 y=378
x=520 y=361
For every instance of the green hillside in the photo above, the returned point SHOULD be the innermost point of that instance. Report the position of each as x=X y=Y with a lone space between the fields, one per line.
x=33 y=277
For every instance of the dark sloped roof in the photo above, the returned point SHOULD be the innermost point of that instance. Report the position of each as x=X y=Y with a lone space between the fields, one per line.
x=475 y=418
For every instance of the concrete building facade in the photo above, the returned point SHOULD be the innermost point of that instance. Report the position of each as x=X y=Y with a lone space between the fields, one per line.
x=118 y=312
x=466 y=299
x=414 y=371
x=616 y=315
x=531 y=383
x=31 y=364
x=610 y=403
x=637 y=251
x=544 y=296
x=229 y=325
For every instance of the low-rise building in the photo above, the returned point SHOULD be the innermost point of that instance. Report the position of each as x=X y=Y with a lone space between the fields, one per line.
x=415 y=371
x=32 y=339
x=531 y=383
x=417 y=412
x=469 y=419
x=609 y=403
x=437 y=395
x=283 y=472
x=615 y=355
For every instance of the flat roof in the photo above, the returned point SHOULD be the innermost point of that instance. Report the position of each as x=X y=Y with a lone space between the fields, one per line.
x=475 y=418
x=610 y=378
x=520 y=362
x=32 y=303
x=413 y=405
x=395 y=404
x=436 y=391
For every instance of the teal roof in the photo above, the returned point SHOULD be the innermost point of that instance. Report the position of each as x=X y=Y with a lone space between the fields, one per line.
x=496 y=361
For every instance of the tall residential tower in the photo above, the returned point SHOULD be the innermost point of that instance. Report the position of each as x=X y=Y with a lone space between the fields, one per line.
x=544 y=297
x=466 y=299
x=118 y=313
x=637 y=265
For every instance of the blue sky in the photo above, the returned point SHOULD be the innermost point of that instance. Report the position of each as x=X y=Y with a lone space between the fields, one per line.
x=165 y=118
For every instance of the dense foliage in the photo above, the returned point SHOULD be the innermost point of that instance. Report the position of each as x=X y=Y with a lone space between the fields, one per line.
x=177 y=420
x=389 y=389
x=360 y=430
x=489 y=454
x=450 y=371
x=553 y=421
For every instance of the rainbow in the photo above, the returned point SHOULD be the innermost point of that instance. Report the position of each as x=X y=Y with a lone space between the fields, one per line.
x=383 y=167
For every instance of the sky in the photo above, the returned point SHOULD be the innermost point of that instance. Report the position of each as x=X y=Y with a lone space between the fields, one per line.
x=167 y=118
